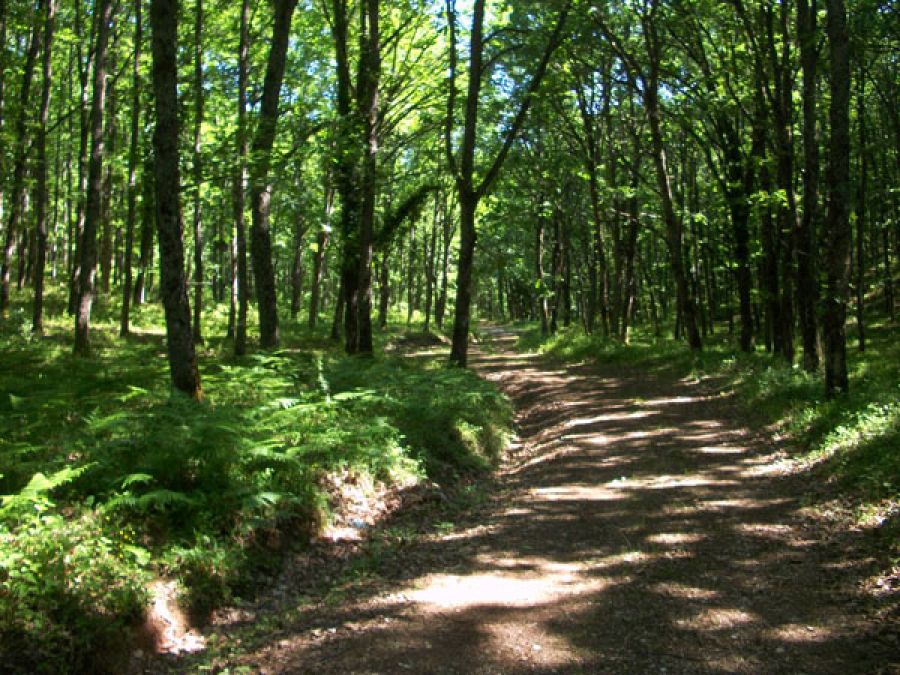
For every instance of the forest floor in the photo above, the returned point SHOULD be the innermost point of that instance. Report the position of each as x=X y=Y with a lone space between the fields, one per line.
x=637 y=526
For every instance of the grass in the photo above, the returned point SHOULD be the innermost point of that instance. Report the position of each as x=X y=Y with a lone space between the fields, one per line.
x=110 y=479
x=851 y=441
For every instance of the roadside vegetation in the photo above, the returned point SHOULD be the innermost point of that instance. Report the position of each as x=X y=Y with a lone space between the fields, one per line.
x=111 y=479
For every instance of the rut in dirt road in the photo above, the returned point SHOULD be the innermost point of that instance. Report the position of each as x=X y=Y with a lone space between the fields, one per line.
x=639 y=530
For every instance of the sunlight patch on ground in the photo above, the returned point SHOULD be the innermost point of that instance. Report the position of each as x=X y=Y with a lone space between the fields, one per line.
x=549 y=582
x=684 y=592
x=721 y=450
x=670 y=401
x=667 y=482
x=743 y=503
x=675 y=538
x=576 y=493
x=800 y=633
x=718 y=618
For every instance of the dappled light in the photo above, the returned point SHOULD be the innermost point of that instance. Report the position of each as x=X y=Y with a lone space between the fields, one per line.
x=633 y=533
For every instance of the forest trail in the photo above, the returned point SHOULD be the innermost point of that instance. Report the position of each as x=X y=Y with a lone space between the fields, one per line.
x=638 y=528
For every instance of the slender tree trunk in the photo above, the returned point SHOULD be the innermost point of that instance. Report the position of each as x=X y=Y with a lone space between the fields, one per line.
x=197 y=330
x=318 y=267
x=134 y=147
x=807 y=288
x=430 y=261
x=370 y=80
x=112 y=134
x=239 y=284
x=94 y=200
x=179 y=339
x=3 y=59
x=862 y=188
x=148 y=229
x=84 y=67
x=837 y=224
x=297 y=265
x=673 y=225
x=37 y=324
x=260 y=184
x=17 y=196
x=464 y=170
x=447 y=238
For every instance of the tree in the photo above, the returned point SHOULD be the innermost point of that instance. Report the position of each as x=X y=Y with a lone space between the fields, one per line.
x=470 y=191
x=837 y=224
x=133 y=150
x=21 y=145
x=179 y=339
x=260 y=186
x=240 y=291
x=40 y=209
x=88 y=263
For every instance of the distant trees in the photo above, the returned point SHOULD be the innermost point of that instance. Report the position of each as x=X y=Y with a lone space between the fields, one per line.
x=668 y=168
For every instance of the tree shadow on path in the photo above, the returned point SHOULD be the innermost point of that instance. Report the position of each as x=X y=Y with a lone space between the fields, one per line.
x=638 y=528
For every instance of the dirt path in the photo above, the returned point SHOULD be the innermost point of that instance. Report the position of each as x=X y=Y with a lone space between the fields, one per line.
x=638 y=529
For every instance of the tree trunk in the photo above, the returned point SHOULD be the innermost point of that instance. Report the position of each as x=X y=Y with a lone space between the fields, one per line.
x=318 y=267
x=239 y=284
x=260 y=185
x=133 y=149
x=17 y=196
x=837 y=224
x=94 y=186
x=862 y=188
x=148 y=229
x=37 y=325
x=807 y=288
x=464 y=170
x=197 y=331
x=179 y=339
x=673 y=225
x=110 y=149
x=464 y=282
x=297 y=265
x=369 y=110
x=440 y=306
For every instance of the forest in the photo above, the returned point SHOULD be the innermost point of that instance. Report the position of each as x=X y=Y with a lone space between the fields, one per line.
x=258 y=256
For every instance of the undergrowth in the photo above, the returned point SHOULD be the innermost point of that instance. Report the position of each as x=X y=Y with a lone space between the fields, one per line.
x=110 y=479
x=850 y=441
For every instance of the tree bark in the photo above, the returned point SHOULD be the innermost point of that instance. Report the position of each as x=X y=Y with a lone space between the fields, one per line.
x=260 y=184
x=369 y=110
x=17 y=195
x=134 y=146
x=197 y=329
x=862 y=188
x=807 y=288
x=239 y=283
x=148 y=229
x=94 y=199
x=179 y=339
x=837 y=224
x=40 y=209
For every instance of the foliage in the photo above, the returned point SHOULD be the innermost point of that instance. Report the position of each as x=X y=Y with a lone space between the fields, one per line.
x=111 y=478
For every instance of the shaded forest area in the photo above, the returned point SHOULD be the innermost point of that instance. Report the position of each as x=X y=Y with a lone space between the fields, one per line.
x=213 y=211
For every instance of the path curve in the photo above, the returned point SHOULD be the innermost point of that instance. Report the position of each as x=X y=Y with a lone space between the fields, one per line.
x=638 y=528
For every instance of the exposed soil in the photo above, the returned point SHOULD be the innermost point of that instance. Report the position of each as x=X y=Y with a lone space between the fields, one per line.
x=637 y=527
